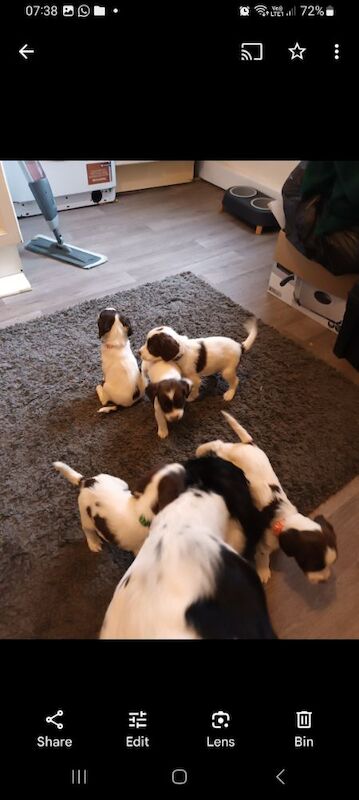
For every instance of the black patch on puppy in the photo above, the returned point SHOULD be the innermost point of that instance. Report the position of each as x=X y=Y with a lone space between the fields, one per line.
x=105 y=321
x=126 y=324
x=273 y=486
x=158 y=549
x=136 y=394
x=88 y=509
x=87 y=483
x=198 y=494
x=170 y=487
x=151 y=391
x=214 y=474
x=201 y=358
x=237 y=608
x=161 y=345
x=102 y=527
x=127 y=581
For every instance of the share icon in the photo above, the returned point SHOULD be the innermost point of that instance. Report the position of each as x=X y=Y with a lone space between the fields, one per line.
x=51 y=720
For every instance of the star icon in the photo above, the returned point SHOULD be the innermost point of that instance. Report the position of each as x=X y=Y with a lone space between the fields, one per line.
x=297 y=51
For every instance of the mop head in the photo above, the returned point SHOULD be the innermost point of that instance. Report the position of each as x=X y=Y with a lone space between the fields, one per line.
x=70 y=254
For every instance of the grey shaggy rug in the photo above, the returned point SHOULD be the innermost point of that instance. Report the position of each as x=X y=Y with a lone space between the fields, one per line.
x=303 y=413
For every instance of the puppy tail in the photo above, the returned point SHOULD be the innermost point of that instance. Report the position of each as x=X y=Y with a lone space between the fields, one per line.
x=74 y=477
x=252 y=328
x=242 y=434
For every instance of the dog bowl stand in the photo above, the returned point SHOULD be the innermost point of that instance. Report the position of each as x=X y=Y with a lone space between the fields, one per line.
x=251 y=206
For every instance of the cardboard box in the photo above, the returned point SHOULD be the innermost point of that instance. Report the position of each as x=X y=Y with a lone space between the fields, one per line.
x=324 y=307
x=310 y=271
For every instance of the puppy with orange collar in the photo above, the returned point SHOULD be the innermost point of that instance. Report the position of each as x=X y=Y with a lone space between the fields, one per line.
x=312 y=542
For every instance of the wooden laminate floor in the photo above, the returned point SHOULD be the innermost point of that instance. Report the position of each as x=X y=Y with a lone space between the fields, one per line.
x=151 y=234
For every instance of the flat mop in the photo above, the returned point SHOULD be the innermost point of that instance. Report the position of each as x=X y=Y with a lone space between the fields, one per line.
x=53 y=248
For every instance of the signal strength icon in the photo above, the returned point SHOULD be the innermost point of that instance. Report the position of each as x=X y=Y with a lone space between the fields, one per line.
x=261 y=10
x=291 y=12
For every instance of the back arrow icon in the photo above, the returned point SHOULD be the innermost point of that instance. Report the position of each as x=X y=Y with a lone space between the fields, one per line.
x=279 y=777
x=23 y=51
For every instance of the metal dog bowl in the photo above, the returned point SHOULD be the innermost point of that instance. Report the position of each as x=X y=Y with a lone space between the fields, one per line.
x=262 y=203
x=243 y=191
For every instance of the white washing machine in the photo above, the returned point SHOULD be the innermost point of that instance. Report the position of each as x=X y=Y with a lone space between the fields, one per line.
x=74 y=184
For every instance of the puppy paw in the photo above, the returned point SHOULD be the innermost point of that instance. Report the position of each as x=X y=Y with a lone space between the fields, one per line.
x=192 y=396
x=99 y=392
x=264 y=574
x=163 y=434
x=95 y=547
x=229 y=395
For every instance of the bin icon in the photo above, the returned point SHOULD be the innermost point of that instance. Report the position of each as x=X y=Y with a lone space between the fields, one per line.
x=304 y=719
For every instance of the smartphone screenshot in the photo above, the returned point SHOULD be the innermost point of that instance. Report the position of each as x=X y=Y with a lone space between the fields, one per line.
x=179 y=325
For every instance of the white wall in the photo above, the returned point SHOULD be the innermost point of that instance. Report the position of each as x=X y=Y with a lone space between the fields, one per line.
x=266 y=176
x=12 y=278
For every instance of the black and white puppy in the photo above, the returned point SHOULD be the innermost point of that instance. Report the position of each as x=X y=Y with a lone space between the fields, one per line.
x=110 y=512
x=123 y=382
x=197 y=358
x=312 y=542
x=167 y=390
x=186 y=582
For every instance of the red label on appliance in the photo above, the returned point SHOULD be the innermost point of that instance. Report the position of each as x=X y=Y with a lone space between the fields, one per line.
x=99 y=172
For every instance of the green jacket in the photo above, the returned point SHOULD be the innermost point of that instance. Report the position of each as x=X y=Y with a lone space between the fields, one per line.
x=338 y=183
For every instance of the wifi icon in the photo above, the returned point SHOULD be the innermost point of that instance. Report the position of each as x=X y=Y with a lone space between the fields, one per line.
x=261 y=10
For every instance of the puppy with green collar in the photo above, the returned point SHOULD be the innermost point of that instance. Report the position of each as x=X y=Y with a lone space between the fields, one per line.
x=110 y=512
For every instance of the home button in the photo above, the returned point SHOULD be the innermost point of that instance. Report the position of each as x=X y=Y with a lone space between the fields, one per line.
x=179 y=776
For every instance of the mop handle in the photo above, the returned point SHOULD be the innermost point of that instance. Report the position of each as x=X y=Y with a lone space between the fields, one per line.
x=42 y=192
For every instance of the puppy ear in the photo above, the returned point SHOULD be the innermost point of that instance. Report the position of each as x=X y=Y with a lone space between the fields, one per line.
x=169 y=487
x=127 y=324
x=144 y=480
x=161 y=345
x=151 y=391
x=323 y=522
x=105 y=321
x=328 y=530
x=186 y=385
x=289 y=541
